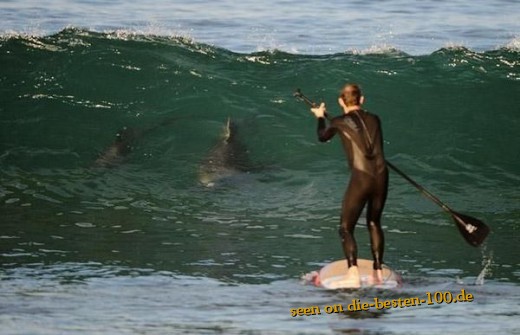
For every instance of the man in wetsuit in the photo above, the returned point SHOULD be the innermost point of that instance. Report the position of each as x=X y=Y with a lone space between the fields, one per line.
x=362 y=139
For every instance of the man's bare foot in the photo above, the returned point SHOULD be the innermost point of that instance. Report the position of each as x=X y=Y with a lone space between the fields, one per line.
x=352 y=278
x=376 y=278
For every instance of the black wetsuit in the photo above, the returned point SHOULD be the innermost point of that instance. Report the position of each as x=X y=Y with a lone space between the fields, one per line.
x=362 y=139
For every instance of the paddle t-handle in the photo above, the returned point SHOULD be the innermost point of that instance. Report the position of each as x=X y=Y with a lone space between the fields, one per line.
x=298 y=93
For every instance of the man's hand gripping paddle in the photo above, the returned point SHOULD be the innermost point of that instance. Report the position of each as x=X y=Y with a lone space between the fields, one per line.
x=473 y=230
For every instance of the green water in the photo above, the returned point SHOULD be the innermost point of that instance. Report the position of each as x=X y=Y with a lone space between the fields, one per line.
x=450 y=121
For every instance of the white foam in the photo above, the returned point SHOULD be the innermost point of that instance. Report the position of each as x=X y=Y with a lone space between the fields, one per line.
x=514 y=44
x=377 y=49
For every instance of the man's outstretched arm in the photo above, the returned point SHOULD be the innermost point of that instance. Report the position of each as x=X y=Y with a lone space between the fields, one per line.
x=325 y=133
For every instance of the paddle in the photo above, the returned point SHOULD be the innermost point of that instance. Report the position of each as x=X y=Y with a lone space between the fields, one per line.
x=473 y=230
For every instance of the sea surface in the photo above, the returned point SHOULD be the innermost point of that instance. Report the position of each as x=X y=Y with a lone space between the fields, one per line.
x=132 y=243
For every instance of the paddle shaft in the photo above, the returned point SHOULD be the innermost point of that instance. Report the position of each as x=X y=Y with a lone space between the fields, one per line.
x=420 y=188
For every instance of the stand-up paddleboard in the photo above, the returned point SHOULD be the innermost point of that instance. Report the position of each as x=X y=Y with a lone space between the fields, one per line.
x=333 y=276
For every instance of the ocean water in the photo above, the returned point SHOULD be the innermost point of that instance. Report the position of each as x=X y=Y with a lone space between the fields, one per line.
x=138 y=246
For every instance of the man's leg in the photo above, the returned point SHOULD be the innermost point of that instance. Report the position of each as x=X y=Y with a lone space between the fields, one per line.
x=376 y=203
x=353 y=203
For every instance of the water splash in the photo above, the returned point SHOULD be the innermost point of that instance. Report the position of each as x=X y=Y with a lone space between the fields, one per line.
x=486 y=267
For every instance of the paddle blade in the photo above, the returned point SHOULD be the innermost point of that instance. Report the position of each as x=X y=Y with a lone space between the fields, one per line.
x=473 y=230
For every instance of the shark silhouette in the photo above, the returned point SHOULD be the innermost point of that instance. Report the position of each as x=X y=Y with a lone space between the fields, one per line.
x=125 y=140
x=226 y=159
